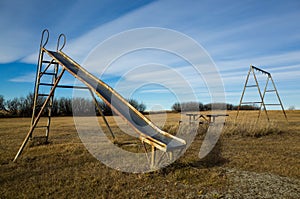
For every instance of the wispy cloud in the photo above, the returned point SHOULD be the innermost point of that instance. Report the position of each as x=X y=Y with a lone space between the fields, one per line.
x=22 y=23
x=236 y=35
x=29 y=77
x=155 y=91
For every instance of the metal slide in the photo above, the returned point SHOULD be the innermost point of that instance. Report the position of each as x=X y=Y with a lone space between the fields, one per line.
x=147 y=131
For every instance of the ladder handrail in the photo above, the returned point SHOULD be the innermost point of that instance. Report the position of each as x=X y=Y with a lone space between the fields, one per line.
x=43 y=44
x=58 y=42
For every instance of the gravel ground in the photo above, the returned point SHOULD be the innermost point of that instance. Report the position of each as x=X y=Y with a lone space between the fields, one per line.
x=245 y=184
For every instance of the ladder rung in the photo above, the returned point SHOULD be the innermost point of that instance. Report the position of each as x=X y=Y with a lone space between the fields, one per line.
x=252 y=86
x=43 y=95
x=251 y=102
x=64 y=86
x=46 y=84
x=272 y=104
x=45 y=73
x=270 y=90
x=48 y=62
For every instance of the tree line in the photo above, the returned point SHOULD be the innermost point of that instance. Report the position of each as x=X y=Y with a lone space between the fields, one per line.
x=197 y=106
x=22 y=106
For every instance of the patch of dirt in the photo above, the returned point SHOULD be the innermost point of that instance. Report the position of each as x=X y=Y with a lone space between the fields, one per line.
x=245 y=184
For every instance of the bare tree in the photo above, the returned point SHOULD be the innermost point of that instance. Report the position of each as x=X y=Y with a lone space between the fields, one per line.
x=2 y=103
x=13 y=106
x=138 y=106
x=292 y=108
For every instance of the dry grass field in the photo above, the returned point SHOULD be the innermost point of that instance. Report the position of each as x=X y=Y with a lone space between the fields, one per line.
x=251 y=160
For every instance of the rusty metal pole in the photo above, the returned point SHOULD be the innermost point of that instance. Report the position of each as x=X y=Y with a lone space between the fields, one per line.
x=243 y=93
x=152 y=164
x=38 y=74
x=279 y=99
x=261 y=96
x=102 y=115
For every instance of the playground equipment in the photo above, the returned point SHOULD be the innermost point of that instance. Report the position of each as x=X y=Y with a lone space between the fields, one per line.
x=262 y=95
x=60 y=62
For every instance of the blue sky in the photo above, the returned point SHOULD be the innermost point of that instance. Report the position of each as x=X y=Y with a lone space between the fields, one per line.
x=236 y=34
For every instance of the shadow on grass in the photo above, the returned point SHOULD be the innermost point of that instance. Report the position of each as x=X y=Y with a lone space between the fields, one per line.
x=213 y=159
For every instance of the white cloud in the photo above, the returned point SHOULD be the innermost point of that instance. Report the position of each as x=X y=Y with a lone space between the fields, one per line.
x=31 y=59
x=156 y=91
x=29 y=77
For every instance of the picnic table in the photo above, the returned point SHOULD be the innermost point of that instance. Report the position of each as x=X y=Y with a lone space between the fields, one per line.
x=209 y=118
x=212 y=117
